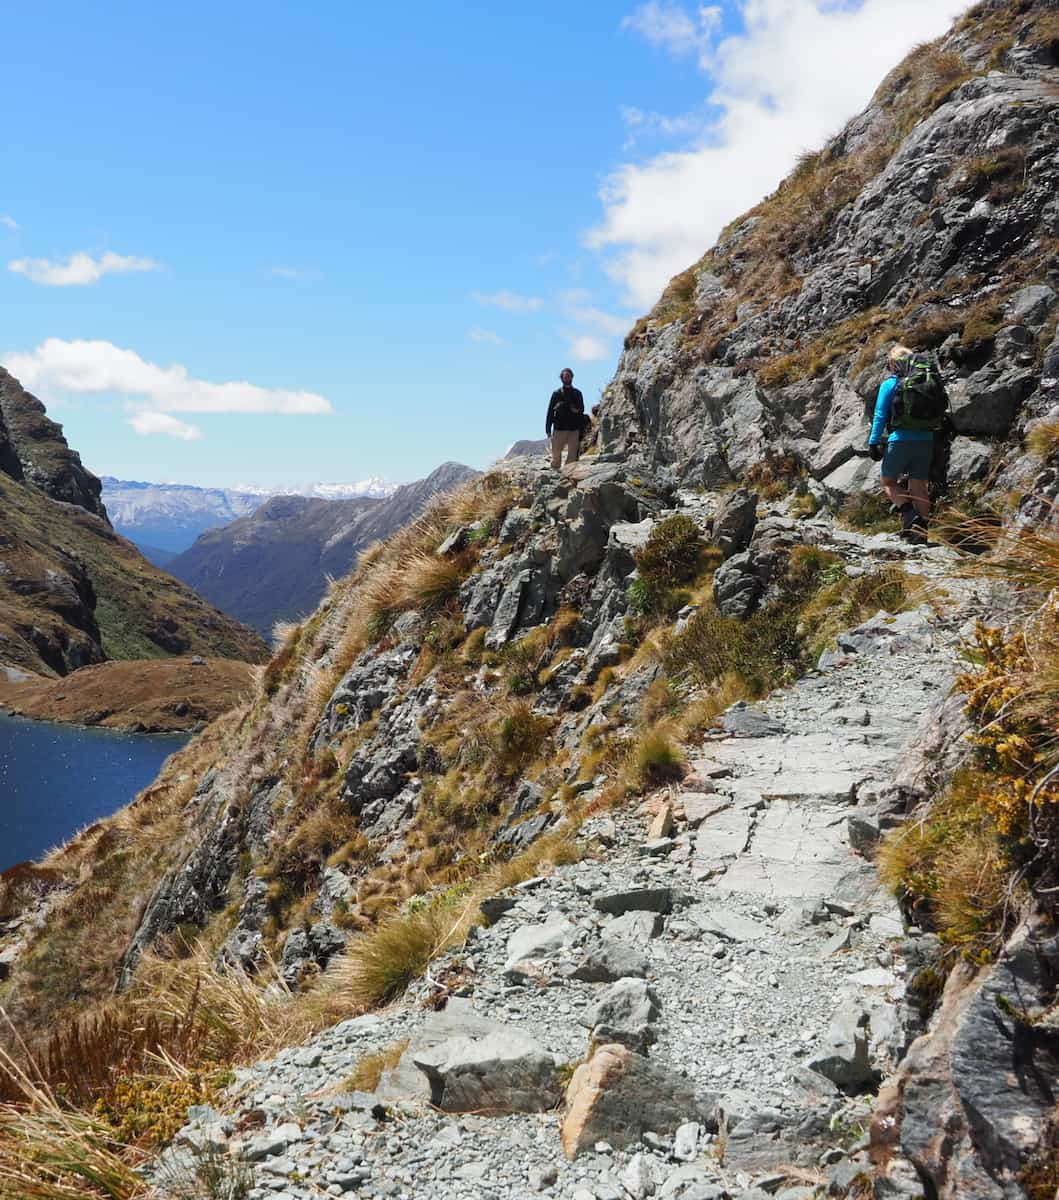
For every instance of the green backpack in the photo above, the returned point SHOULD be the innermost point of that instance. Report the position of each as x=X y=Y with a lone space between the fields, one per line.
x=919 y=399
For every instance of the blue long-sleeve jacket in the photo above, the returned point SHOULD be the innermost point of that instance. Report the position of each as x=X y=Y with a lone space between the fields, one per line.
x=883 y=404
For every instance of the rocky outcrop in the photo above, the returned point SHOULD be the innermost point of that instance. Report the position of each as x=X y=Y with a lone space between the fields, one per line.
x=33 y=450
x=970 y=1111
x=948 y=242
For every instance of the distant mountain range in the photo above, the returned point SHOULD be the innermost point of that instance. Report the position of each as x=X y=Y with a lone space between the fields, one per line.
x=273 y=563
x=164 y=519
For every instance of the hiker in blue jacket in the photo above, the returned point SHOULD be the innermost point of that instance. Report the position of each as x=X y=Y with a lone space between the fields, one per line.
x=905 y=453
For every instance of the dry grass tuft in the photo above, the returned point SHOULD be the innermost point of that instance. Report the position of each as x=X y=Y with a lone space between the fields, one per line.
x=655 y=759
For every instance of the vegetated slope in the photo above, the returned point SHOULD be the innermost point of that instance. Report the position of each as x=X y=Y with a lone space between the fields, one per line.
x=274 y=564
x=72 y=592
x=443 y=722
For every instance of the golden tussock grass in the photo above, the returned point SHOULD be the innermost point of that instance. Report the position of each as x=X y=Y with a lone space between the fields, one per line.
x=380 y=964
x=654 y=759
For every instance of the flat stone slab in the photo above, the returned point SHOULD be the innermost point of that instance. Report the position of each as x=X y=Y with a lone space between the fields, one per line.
x=724 y=835
x=729 y=925
x=700 y=806
x=789 y=767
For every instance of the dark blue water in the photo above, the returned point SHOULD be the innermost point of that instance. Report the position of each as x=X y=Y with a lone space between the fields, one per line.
x=55 y=779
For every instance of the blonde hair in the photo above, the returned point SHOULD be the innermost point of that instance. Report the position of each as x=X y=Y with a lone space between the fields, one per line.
x=897 y=351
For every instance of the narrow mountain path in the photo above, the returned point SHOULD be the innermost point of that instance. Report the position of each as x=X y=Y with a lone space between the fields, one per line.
x=774 y=963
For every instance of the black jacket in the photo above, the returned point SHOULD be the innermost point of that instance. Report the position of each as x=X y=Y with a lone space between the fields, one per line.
x=565 y=410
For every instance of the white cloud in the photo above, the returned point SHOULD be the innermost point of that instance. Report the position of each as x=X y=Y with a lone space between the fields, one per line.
x=146 y=423
x=641 y=124
x=485 y=337
x=577 y=305
x=509 y=301
x=8 y=222
x=296 y=274
x=87 y=368
x=772 y=100
x=586 y=348
x=81 y=269
x=672 y=28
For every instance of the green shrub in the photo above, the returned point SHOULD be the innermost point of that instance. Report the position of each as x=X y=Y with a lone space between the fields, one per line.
x=763 y=651
x=672 y=554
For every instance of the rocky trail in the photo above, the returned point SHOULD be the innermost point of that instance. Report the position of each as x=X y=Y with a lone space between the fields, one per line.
x=726 y=950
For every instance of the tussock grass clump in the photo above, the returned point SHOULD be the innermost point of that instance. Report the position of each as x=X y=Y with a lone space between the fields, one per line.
x=762 y=651
x=869 y=512
x=1043 y=439
x=672 y=553
x=655 y=759
x=950 y=869
x=382 y=963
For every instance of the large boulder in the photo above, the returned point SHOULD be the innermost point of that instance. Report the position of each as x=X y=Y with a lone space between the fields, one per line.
x=503 y=1072
x=843 y=1053
x=618 y=1095
x=625 y=1013
x=733 y=526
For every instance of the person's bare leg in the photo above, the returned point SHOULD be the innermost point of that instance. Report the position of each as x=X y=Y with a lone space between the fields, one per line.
x=919 y=494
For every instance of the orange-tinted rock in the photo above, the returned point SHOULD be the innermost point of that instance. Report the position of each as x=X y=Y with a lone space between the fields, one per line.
x=618 y=1095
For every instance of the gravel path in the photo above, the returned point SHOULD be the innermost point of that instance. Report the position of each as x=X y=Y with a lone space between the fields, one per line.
x=780 y=951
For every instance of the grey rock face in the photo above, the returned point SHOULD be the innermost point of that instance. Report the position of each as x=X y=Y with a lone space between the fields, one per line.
x=843 y=1054
x=733 y=526
x=502 y=1072
x=738 y=585
x=625 y=1013
x=611 y=959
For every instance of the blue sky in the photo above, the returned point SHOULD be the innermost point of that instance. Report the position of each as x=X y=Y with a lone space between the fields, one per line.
x=394 y=223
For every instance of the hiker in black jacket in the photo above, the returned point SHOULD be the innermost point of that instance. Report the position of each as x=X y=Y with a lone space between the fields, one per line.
x=565 y=421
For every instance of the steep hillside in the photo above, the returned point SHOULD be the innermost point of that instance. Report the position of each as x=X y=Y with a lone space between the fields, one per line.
x=685 y=666
x=932 y=218
x=274 y=564
x=72 y=592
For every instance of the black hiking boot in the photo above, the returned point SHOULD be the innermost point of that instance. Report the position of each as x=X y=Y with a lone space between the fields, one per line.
x=917 y=531
x=908 y=515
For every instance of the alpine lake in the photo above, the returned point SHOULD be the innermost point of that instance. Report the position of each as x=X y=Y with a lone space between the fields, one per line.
x=56 y=779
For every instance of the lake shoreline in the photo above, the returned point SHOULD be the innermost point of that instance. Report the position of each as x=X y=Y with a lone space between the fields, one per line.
x=158 y=696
